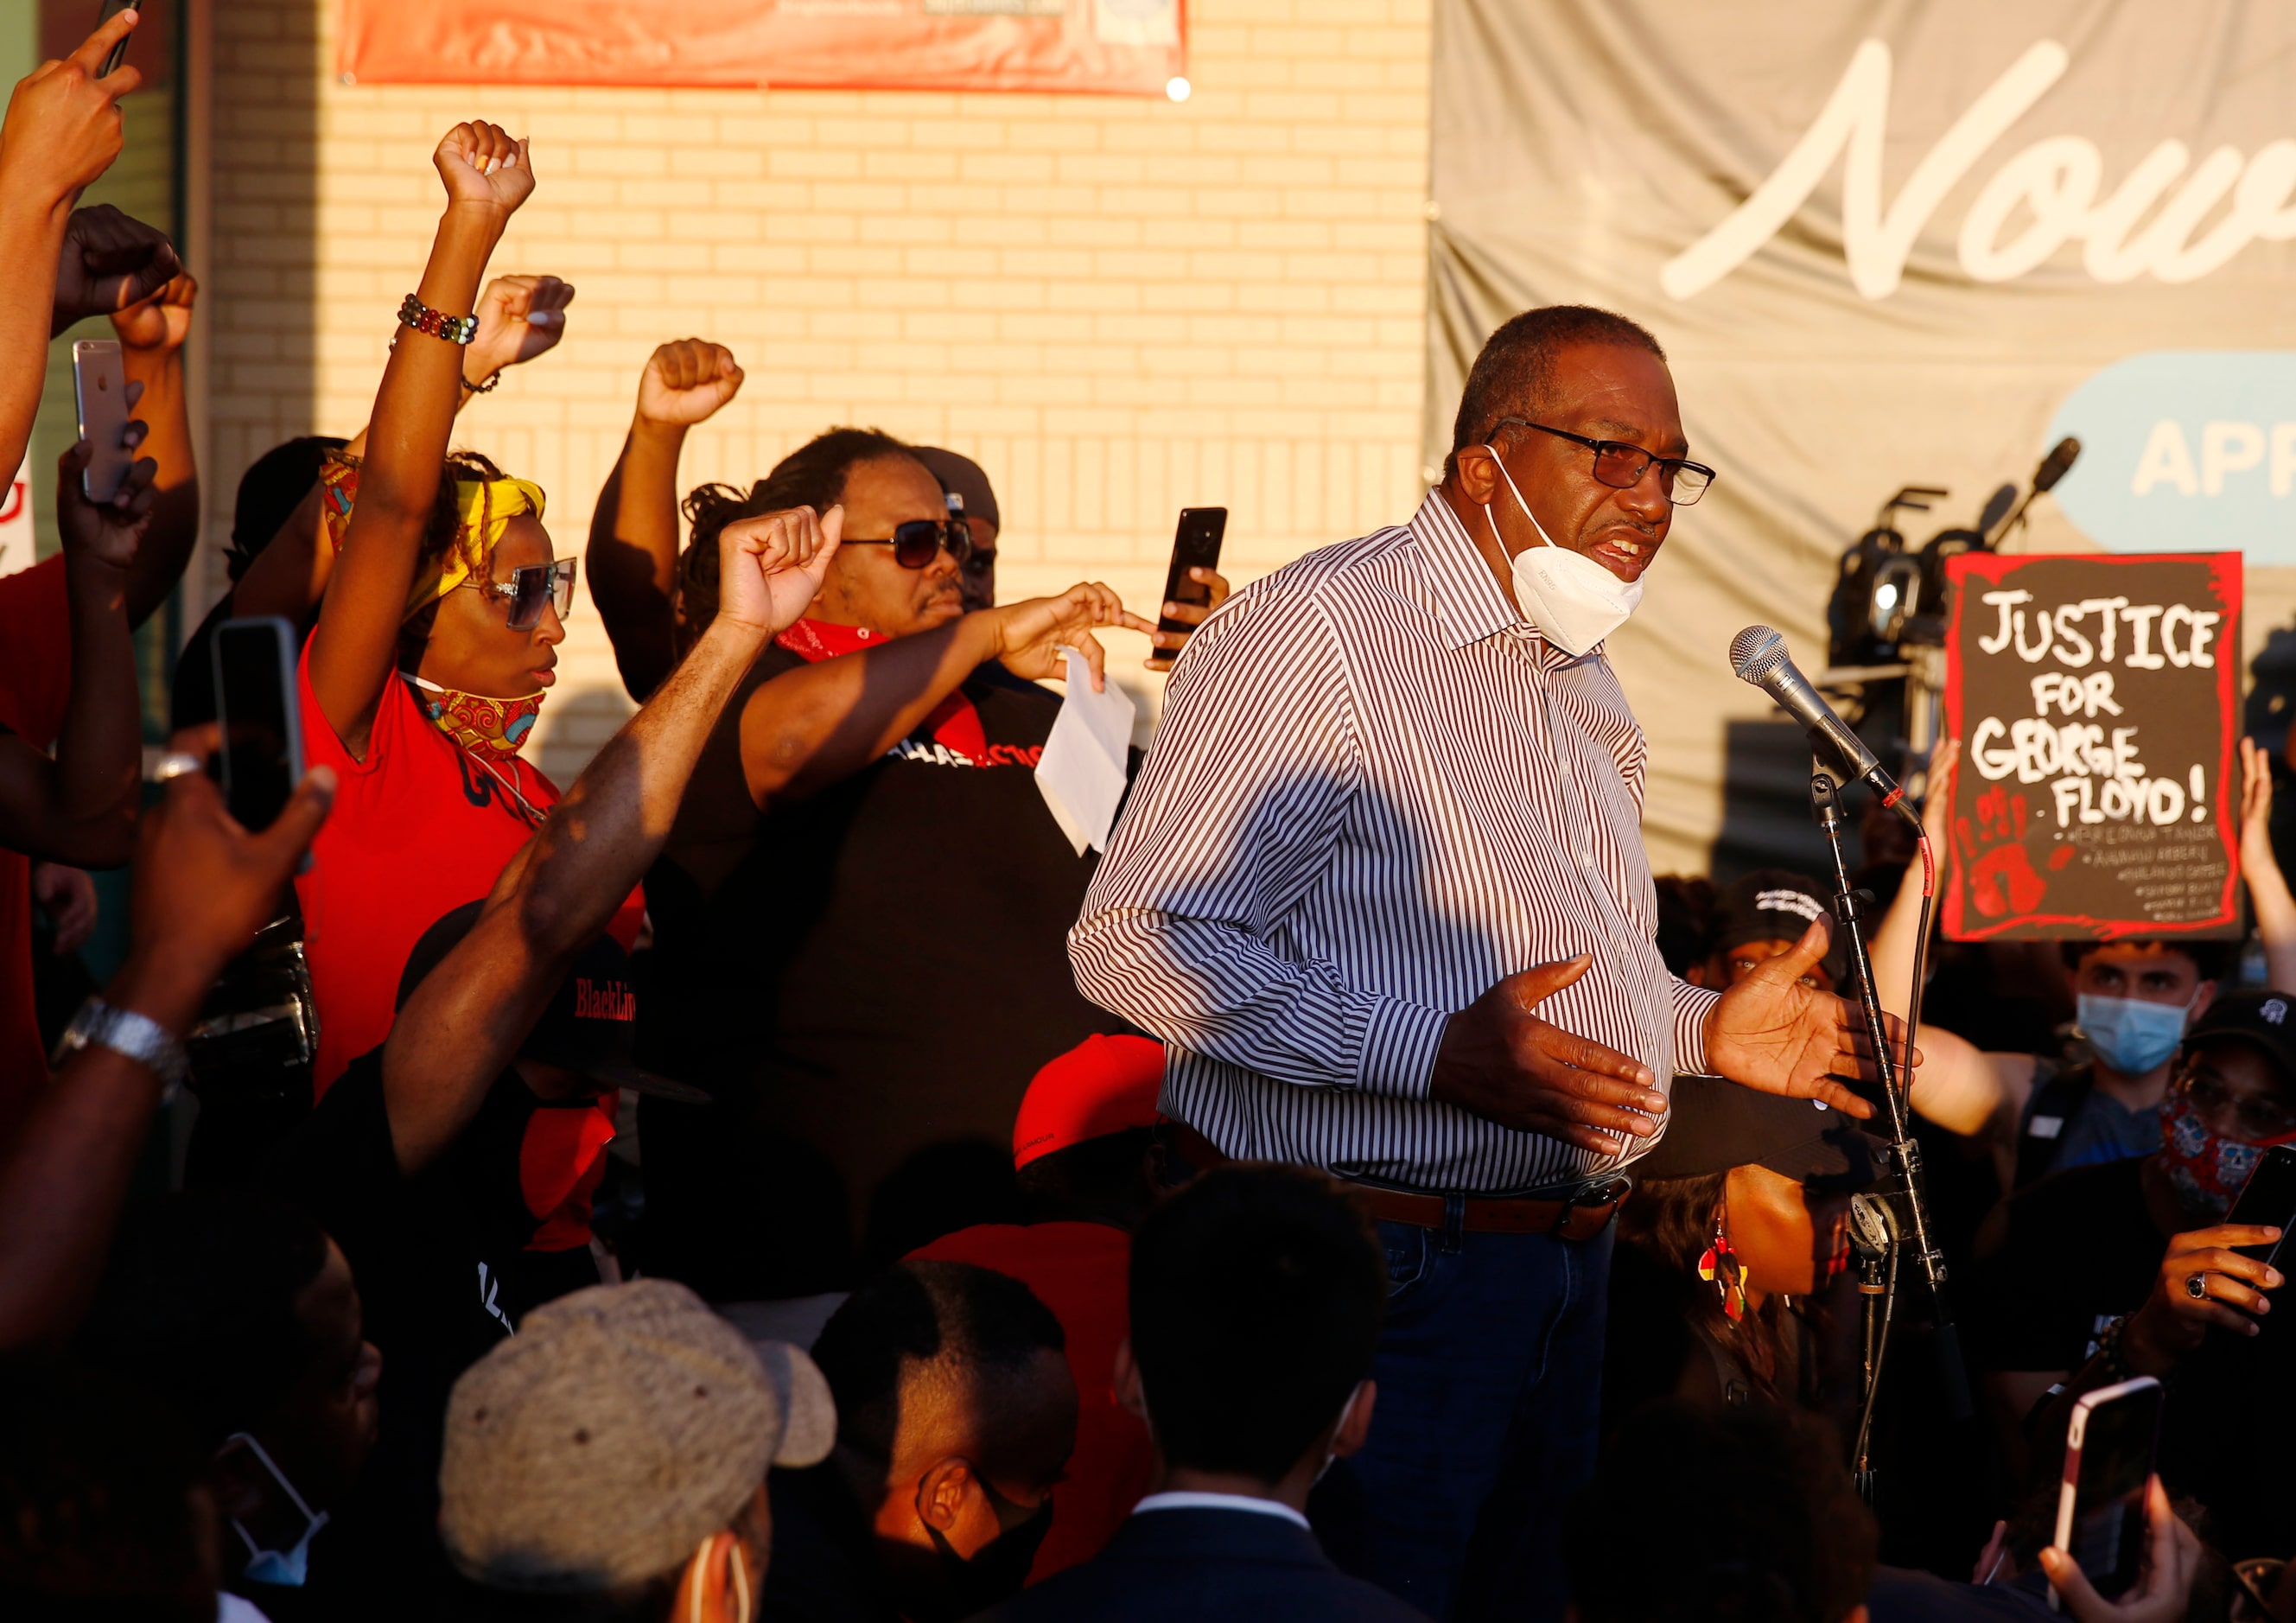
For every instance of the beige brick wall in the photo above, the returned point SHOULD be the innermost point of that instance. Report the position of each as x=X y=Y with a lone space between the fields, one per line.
x=1120 y=306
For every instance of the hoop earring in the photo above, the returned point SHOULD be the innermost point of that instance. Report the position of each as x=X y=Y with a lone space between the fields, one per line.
x=1720 y=1267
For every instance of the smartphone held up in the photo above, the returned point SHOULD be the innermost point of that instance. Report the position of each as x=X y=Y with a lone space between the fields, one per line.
x=262 y=760
x=119 y=53
x=1196 y=546
x=2110 y=1449
x=100 y=383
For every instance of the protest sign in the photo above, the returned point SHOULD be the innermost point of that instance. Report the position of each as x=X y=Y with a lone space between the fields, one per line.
x=2096 y=702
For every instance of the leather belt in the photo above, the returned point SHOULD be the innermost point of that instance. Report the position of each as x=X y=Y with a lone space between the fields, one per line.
x=1578 y=1216
x=1578 y=1219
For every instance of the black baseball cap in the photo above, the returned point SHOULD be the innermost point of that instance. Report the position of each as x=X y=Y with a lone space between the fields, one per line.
x=1715 y=1124
x=1777 y=905
x=589 y=1024
x=2265 y=1019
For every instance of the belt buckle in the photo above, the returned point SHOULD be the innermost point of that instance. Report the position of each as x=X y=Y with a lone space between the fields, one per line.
x=1610 y=1192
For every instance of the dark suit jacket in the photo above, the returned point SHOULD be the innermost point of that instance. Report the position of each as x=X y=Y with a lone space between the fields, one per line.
x=1207 y=1566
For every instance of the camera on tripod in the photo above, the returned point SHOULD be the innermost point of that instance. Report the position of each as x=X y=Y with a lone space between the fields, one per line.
x=1885 y=622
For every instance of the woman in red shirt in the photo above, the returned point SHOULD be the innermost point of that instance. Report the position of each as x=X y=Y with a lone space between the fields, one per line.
x=435 y=643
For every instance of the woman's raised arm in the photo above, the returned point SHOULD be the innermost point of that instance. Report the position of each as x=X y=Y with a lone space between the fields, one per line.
x=355 y=644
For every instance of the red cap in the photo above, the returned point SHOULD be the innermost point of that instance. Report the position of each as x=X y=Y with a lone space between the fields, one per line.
x=1104 y=1084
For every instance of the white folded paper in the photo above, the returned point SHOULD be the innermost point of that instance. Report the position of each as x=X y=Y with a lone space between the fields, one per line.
x=1081 y=772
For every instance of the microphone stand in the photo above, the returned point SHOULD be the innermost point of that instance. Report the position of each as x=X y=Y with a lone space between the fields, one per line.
x=1895 y=1217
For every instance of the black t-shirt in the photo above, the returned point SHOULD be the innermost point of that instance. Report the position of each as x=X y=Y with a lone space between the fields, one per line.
x=444 y=1273
x=440 y=1258
x=2077 y=1249
x=2228 y=1434
x=878 y=968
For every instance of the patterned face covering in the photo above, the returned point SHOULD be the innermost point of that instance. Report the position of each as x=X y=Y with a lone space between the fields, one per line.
x=489 y=726
x=2207 y=1169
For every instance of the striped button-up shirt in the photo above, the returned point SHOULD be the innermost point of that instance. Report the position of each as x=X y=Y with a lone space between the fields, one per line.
x=1375 y=792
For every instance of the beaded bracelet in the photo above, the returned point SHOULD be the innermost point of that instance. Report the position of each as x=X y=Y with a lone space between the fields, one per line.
x=486 y=387
x=455 y=329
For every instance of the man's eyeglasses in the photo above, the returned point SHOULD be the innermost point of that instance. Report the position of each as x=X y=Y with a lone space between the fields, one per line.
x=916 y=542
x=529 y=588
x=1621 y=466
x=2253 y=1119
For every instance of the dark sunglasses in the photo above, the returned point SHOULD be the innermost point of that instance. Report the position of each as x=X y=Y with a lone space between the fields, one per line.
x=1621 y=466
x=527 y=589
x=919 y=541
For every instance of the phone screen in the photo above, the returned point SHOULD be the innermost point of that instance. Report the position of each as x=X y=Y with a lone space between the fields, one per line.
x=1197 y=546
x=255 y=703
x=2268 y=1197
x=2109 y=1456
x=101 y=383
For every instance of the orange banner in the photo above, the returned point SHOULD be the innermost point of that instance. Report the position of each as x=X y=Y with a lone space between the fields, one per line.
x=1130 y=47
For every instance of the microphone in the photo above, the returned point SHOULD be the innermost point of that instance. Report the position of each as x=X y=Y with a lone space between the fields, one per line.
x=1759 y=656
x=2054 y=467
x=2056 y=464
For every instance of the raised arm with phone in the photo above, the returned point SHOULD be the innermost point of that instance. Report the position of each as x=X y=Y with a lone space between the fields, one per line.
x=62 y=130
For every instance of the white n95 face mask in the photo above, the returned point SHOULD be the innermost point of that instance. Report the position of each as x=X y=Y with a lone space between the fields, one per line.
x=1573 y=600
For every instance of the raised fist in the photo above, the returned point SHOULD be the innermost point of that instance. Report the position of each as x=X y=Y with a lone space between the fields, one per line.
x=687 y=381
x=519 y=317
x=482 y=166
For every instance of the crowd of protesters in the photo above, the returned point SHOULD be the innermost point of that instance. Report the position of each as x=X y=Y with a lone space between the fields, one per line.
x=778 y=1175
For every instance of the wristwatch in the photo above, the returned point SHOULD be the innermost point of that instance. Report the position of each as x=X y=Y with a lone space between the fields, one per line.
x=139 y=1036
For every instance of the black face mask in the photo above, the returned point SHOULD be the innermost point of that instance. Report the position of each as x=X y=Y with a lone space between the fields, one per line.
x=957 y=1586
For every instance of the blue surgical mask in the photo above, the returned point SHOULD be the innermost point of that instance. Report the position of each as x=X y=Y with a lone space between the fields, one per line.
x=289 y=1567
x=2131 y=1035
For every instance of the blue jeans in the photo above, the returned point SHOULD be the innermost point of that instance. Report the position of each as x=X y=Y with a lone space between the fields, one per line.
x=1490 y=1374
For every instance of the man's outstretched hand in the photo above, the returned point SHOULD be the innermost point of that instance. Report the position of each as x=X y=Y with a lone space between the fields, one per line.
x=1503 y=1064
x=1776 y=1035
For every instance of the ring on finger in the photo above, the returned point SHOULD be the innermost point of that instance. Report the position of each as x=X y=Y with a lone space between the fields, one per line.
x=2196 y=1286
x=171 y=765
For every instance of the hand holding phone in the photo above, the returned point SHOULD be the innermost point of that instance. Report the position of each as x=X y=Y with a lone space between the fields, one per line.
x=100 y=381
x=1195 y=549
x=2109 y=1446
x=2163 y=1589
x=2269 y=1199
x=118 y=51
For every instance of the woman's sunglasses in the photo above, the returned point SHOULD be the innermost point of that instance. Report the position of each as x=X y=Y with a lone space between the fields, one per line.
x=529 y=588
x=919 y=541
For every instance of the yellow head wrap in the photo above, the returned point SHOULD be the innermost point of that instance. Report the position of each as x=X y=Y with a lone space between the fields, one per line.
x=483 y=510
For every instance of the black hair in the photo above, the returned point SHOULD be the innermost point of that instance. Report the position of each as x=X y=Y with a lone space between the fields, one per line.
x=2211 y=960
x=269 y=492
x=1105 y=1179
x=956 y=1183
x=199 y=1306
x=97 y=1486
x=814 y=476
x=1257 y=1296
x=987 y=1325
x=1749 y=1513
x=1516 y=372
x=1671 y=1222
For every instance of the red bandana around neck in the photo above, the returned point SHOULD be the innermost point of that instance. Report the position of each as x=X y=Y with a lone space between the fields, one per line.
x=954 y=723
